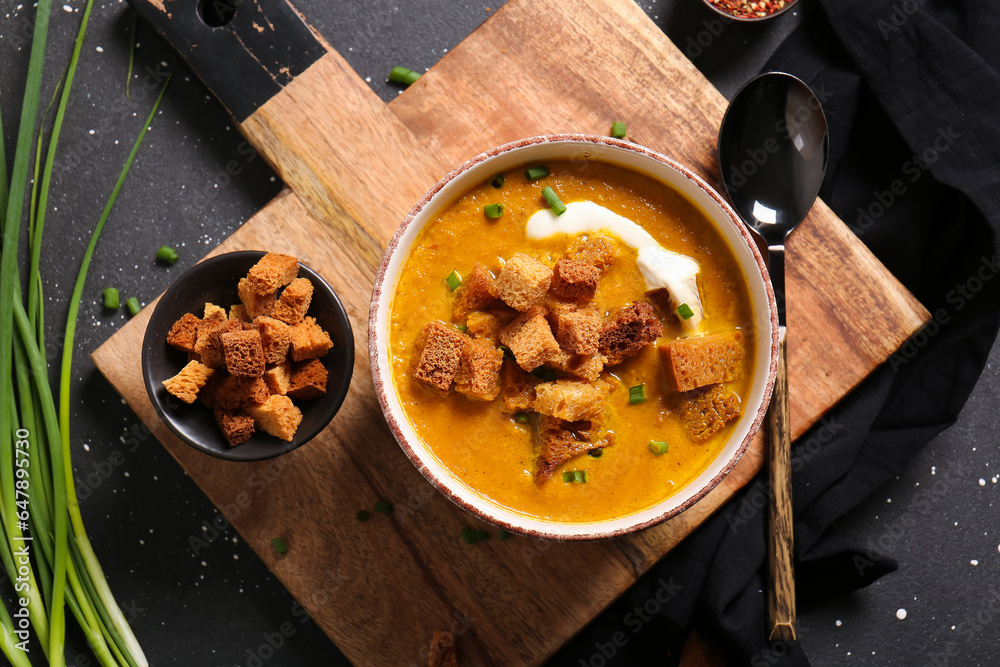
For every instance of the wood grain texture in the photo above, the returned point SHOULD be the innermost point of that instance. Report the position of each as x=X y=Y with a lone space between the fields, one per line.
x=380 y=589
x=781 y=584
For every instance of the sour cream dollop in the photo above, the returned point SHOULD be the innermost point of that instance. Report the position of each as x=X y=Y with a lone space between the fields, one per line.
x=660 y=268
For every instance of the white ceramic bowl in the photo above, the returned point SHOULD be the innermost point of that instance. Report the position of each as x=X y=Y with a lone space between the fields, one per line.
x=575 y=147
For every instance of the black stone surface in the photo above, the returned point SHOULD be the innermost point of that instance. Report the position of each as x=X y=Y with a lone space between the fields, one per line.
x=195 y=594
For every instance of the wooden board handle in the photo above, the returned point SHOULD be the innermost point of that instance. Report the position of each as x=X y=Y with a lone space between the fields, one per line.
x=781 y=591
x=246 y=51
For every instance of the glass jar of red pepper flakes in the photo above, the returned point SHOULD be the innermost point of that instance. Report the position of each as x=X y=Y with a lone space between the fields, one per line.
x=750 y=9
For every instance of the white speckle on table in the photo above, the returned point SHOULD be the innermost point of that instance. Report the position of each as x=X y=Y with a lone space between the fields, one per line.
x=933 y=470
x=982 y=482
x=974 y=562
x=838 y=623
x=86 y=447
x=236 y=556
x=888 y=500
x=204 y=564
x=100 y=49
x=900 y=614
x=67 y=8
x=91 y=132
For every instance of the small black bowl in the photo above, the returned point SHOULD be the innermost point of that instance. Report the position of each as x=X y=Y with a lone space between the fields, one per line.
x=214 y=280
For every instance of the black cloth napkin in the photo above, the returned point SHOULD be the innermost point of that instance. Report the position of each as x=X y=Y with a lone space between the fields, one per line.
x=911 y=89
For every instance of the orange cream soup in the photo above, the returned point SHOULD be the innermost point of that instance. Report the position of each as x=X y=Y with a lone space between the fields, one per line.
x=484 y=447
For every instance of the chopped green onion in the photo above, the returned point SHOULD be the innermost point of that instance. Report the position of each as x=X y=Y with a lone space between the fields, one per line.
x=279 y=545
x=568 y=476
x=685 y=311
x=575 y=476
x=166 y=254
x=618 y=129
x=658 y=447
x=553 y=199
x=453 y=280
x=522 y=417
x=383 y=507
x=497 y=181
x=462 y=328
x=471 y=535
x=493 y=211
x=502 y=535
x=133 y=306
x=111 y=298
x=507 y=353
x=403 y=75
x=544 y=373
x=637 y=394
x=362 y=515
x=535 y=173
x=596 y=453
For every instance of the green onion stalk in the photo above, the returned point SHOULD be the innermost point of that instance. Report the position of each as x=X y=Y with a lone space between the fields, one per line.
x=63 y=571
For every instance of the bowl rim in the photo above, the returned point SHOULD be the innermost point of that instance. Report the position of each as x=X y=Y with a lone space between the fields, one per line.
x=336 y=399
x=381 y=376
x=750 y=19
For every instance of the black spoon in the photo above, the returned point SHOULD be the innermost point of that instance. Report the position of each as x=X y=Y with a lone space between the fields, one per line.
x=773 y=148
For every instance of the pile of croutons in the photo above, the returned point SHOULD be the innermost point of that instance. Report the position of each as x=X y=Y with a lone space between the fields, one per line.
x=532 y=337
x=247 y=366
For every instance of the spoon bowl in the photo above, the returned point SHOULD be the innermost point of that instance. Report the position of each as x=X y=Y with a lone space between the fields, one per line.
x=773 y=150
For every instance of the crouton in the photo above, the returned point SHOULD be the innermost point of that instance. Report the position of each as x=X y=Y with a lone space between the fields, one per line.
x=575 y=280
x=275 y=338
x=309 y=340
x=271 y=272
x=705 y=411
x=517 y=388
x=577 y=330
x=475 y=293
x=522 y=282
x=293 y=304
x=439 y=355
x=478 y=374
x=208 y=344
x=697 y=361
x=560 y=441
x=484 y=326
x=238 y=311
x=584 y=366
x=256 y=304
x=600 y=252
x=244 y=354
x=237 y=426
x=277 y=416
x=530 y=338
x=186 y=384
x=278 y=378
x=213 y=313
x=633 y=328
x=570 y=400
x=232 y=392
x=184 y=332
x=308 y=380
x=443 y=650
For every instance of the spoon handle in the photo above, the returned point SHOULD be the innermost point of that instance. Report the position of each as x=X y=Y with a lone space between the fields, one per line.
x=781 y=593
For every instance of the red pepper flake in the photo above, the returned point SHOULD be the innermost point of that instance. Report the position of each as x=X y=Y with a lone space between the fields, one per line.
x=745 y=9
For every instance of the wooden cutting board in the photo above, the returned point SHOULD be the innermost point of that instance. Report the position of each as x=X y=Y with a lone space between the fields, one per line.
x=354 y=166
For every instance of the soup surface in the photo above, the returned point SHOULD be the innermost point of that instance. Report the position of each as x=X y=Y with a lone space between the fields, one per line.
x=496 y=453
